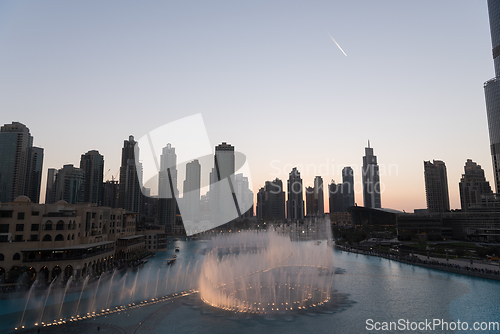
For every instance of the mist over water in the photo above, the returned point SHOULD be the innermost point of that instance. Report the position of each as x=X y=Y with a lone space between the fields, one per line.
x=269 y=271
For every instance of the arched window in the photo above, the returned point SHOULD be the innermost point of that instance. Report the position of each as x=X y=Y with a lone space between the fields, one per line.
x=16 y=257
x=2 y=257
x=59 y=237
x=48 y=226
x=47 y=237
x=69 y=236
x=60 y=225
x=73 y=237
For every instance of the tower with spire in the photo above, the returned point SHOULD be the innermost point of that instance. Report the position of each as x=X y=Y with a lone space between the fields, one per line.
x=371 y=179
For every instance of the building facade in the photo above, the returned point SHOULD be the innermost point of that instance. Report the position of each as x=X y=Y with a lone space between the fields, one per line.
x=92 y=165
x=335 y=197
x=295 y=202
x=69 y=184
x=436 y=186
x=347 y=188
x=319 y=201
x=271 y=201
x=473 y=185
x=191 y=192
x=371 y=180
x=70 y=239
x=130 y=195
x=20 y=163
x=168 y=192
x=492 y=91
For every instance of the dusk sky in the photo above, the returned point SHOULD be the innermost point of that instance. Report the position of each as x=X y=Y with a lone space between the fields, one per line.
x=266 y=77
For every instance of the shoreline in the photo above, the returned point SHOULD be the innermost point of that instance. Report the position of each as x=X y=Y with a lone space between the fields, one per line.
x=431 y=264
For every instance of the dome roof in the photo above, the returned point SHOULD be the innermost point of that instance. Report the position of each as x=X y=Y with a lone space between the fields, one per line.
x=61 y=202
x=22 y=199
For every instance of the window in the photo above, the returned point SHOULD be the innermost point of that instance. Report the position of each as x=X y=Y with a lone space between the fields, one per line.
x=19 y=227
x=34 y=237
x=35 y=227
x=20 y=216
x=59 y=237
x=4 y=228
x=2 y=257
x=60 y=225
x=35 y=213
x=16 y=257
x=18 y=237
x=6 y=214
x=93 y=214
x=47 y=237
x=48 y=226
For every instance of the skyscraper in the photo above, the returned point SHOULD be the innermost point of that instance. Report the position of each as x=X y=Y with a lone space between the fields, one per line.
x=295 y=202
x=69 y=184
x=50 y=190
x=310 y=202
x=436 y=186
x=243 y=194
x=35 y=174
x=347 y=188
x=473 y=185
x=191 y=191
x=319 y=202
x=129 y=195
x=492 y=91
x=16 y=170
x=224 y=161
x=168 y=165
x=223 y=201
x=271 y=201
x=371 y=180
x=335 y=197
x=92 y=165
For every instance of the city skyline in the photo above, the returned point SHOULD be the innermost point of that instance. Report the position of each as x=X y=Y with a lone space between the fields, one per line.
x=78 y=92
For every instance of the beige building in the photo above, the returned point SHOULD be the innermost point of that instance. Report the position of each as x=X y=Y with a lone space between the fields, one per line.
x=74 y=239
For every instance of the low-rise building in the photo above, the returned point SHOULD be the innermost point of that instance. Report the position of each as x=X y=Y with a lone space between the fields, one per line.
x=74 y=239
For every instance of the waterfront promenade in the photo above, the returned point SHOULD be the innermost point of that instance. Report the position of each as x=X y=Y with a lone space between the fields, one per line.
x=457 y=266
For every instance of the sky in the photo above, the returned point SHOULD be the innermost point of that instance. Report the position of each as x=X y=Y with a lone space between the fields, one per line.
x=266 y=77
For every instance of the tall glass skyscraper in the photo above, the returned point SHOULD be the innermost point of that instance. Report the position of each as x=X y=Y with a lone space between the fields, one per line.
x=492 y=91
x=92 y=164
x=371 y=180
x=20 y=163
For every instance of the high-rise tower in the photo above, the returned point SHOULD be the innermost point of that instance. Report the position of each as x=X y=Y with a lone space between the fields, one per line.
x=371 y=180
x=436 y=186
x=492 y=91
x=18 y=175
x=130 y=195
x=347 y=188
x=295 y=202
x=319 y=201
x=191 y=192
x=69 y=184
x=167 y=190
x=35 y=174
x=92 y=164
x=473 y=185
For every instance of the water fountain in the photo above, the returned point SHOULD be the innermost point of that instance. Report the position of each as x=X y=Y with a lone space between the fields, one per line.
x=264 y=272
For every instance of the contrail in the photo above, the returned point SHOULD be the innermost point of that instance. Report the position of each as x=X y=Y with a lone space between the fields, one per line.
x=333 y=39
